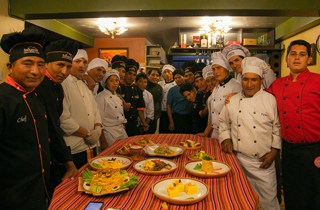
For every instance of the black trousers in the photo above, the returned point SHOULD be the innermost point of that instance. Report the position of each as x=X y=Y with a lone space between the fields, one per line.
x=164 y=123
x=132 y=128
x=301 y=177
x=182 y=123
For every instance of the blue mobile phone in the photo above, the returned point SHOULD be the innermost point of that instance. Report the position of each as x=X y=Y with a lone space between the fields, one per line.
x=94 y=206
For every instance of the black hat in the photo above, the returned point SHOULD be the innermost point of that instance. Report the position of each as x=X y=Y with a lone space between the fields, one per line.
x=29 y=42
x=61 y=50
x=187 y=66
x=197 y=69
x=132 y=65
x=119 y=61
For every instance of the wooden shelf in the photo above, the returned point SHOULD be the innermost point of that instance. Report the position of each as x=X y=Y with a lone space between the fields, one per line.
x=153 y=56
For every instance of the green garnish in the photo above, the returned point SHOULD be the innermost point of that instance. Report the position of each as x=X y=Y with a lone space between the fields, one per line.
x=123 y=173
x=206 y=158
x=133 y=181
x=191 y=198
x=96 y=165
x=87 y=174
x=198 y=167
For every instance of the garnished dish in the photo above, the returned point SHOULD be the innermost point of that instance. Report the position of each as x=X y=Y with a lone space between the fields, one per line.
x=180 y=191
x=112 y=162
x=124 y=150
x=144 y=141
x=200 y=155
x=106 y=181
x=163 y=150
x=207 y=168
x=155 y=166
x=189 y=144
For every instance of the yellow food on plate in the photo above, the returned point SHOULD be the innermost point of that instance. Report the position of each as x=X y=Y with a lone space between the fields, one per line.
x=109 y=180
x=191 y=188
x=111 y=164
x=149 y=165
x=172 y=191
x=207 y=165
x=178 y=184
x=164 y=150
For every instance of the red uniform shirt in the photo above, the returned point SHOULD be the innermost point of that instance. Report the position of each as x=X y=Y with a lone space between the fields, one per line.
x=299 y=107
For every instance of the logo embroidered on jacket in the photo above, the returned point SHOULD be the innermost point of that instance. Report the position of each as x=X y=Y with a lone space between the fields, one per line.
x=264 y=114
x=22 y=119
x=137 y=96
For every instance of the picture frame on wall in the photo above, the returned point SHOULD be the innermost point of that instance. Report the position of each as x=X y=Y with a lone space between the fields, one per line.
x=108 y=53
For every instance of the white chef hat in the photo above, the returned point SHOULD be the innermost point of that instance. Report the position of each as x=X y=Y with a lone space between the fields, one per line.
x=81 y=54
x=169 y=67
x=112 y=72
x=97 y=62
x=218 y=58
x=254 y=65
x=235 y=49
x=207 y=72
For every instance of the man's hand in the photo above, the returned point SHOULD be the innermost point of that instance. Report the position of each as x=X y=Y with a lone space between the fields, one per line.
x=228 y=97
x=227 y=146
x=171 y=126
x=93 y=136
x=268 y=158
x=146 y=127
x=201 y=134
x=72 y=171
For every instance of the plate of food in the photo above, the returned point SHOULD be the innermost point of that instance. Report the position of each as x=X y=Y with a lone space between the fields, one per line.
x=124 y=150
x=207 y=168
x=120 y=162
x=199 y=155
x=163 y=150
x=180 y=191
x=144 y=141
x=189 y=144
x=154 y=166
x=106 y=181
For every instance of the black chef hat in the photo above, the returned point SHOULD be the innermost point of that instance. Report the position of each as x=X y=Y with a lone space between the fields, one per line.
x=197 y=69
x=119 y=61
x=187 y=66
x=61 y=50
x=132 y=65
x=29 y=42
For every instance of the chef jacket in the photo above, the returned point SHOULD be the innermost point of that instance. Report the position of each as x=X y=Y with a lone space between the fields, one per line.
x=165 y=90
x=252 y=124
x=156 y=91
x=199 y=123
x=112 y=115
x=298 y=104
x=24 y=148
x=97 y=89
x=268 y=78
x=148 y=100
x=79 y=109
x=52 y=94
x=132 y=94
x=218 y=98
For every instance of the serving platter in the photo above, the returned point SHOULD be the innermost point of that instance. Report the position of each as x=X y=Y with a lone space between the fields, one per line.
x=150 y=148
x=159 y=189
x=220 y=169
x=125 y=161
x=139 y=167
x=138 y=142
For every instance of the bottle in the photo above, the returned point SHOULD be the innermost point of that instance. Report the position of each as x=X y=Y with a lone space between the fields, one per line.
x=204 y=42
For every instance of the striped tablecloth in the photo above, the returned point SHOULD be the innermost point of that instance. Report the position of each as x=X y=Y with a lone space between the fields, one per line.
x=229 y=192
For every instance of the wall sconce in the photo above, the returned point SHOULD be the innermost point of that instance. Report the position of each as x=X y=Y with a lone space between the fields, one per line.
x=112 y=29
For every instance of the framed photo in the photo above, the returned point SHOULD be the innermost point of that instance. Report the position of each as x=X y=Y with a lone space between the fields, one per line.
x=108 y=53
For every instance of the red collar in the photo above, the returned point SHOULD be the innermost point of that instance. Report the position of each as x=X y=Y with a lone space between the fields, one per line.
x=50 y=77
x=14 y=84
x=302 y=76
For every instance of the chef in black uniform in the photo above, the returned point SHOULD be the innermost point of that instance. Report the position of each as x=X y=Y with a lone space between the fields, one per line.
x=132 y=94
x=24 y=139
x=188 y=73
x=59 y=55
x=119 y=63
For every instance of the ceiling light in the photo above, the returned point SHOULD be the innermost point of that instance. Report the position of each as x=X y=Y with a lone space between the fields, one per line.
x=111 y=29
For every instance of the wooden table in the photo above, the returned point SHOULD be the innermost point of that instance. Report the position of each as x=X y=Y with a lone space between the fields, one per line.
x=232 y=191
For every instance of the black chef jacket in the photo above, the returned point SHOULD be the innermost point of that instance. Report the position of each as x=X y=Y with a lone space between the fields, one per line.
x=199 y=123
x=24 y=148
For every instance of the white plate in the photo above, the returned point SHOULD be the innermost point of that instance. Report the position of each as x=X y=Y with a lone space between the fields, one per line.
x=160 y=190
x=126 y=162
x=225 y=169
x=149 y=149
x=139 y=167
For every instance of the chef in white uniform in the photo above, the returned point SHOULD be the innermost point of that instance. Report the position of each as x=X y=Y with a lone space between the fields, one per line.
x=166 y=84
x=249 y=126
x=226 y=86
x=235 y=53
x=211 y=82
x=97 y=69
x=111 y=109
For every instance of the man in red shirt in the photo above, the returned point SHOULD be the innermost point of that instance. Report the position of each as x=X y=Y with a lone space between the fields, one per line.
x=298 y=99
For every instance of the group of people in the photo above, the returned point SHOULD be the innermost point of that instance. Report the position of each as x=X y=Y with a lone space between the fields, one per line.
x=58 y=111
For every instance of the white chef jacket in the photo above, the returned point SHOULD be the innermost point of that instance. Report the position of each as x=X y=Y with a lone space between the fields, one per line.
x=79 y=109
x=148 y=100
x=95 y=90
x=217 y=100
x=112 y=115
x=268 y=78
x=252 y=124
x=165 y=90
